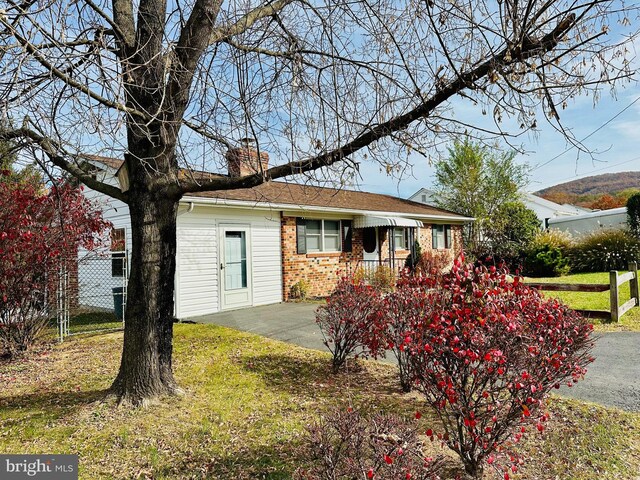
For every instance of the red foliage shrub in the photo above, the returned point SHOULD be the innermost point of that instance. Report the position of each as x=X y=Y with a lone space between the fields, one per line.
x=433 y=262
x=38 y=231
x=401 y=313
x=347 y=321
x=384 y=447
x=487 y=353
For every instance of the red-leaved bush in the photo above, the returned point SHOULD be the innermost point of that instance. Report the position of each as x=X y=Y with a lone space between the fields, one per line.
x=433 y=262
x=347 y=321
x=402 y=312
x=488 y=351
x=38 y=231
x=345 y=445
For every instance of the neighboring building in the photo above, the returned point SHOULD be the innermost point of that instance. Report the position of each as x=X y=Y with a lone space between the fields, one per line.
x=544 y=209
x=424 y=195
x=580 y=224
x=547 y=210
x=246 y=247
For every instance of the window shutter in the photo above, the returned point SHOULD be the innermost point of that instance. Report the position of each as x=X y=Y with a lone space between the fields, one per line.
x=447 y=236
x=347 y=236
x=434 y=237
x=301 y=235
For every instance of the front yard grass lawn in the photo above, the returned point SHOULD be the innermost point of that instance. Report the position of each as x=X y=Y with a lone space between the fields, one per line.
x=630 y=321
x=244 y=413
x=89 y=321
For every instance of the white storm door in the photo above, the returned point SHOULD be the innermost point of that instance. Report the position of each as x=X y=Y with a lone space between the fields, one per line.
x=235 y=266
x=370 y=251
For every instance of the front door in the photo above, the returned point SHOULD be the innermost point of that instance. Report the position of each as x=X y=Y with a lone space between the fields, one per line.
x=235 y=267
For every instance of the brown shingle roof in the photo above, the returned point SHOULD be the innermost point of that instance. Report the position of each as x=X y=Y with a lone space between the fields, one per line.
x=278 y=193
x=108 y=161
x=282 y=193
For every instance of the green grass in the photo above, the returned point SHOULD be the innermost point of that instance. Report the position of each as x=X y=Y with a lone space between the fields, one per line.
x=89 y=321
x=595 y=301
x=244 y=413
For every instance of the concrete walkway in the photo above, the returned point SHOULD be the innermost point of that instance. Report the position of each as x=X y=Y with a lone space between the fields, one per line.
x=613 y=379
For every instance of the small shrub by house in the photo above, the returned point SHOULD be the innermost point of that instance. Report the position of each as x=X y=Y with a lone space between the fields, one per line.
x=347 y=445
x=347 y=321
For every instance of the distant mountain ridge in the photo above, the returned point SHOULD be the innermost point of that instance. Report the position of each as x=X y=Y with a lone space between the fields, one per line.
x=607 y=183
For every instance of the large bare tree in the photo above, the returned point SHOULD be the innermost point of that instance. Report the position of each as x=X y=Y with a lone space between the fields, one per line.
x=168 y=85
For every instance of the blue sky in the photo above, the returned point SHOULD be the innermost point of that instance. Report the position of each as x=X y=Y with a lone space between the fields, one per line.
x=616 y=146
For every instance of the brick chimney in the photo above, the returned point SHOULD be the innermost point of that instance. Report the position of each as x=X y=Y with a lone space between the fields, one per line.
x=243 y=160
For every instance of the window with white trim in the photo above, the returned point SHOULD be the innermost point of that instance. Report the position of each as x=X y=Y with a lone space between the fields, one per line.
x=322 y=235
x=401 y=238
x=441 y=236
x=118 y=257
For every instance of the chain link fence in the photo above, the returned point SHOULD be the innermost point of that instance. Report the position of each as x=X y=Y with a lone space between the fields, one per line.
x=91 y=294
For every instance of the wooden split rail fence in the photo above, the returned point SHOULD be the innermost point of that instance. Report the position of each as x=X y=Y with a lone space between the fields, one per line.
x=615 y=281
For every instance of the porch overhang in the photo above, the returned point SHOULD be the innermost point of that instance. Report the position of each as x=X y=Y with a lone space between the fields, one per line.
x=366 y=221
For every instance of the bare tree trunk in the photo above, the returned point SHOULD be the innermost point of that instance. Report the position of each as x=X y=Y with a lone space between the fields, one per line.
x=145 y=369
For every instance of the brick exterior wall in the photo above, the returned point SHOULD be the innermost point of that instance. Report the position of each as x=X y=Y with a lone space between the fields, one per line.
x=426 y=242
x=458 y=247
x=322 y=270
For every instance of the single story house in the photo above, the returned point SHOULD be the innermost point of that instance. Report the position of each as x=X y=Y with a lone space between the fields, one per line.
x=249 y=247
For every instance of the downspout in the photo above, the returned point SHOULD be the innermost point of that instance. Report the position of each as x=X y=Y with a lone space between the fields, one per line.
x=189 y=210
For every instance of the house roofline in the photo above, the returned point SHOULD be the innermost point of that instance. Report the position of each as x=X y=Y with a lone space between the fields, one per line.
x=223 y=202
x=422 y=189
x=561 y=208
x=584 y=216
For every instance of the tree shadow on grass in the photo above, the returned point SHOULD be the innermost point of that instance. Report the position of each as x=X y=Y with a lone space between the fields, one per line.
x=54 y=404
x=304 y=375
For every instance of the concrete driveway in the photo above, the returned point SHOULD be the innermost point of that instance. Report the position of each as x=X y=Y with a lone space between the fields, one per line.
x=613 y=379
x=289 y=322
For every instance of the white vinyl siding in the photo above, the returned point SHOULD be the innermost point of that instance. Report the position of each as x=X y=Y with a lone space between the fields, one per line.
x=266 y=260
x=197 y=267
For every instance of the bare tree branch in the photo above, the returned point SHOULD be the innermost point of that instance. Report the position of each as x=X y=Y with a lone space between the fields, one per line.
x=55 y=153
x=248 y=20
x=464 y=80
x=29 y=47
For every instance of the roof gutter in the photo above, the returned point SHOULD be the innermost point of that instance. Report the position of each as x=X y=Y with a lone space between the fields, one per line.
x=223 y=202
